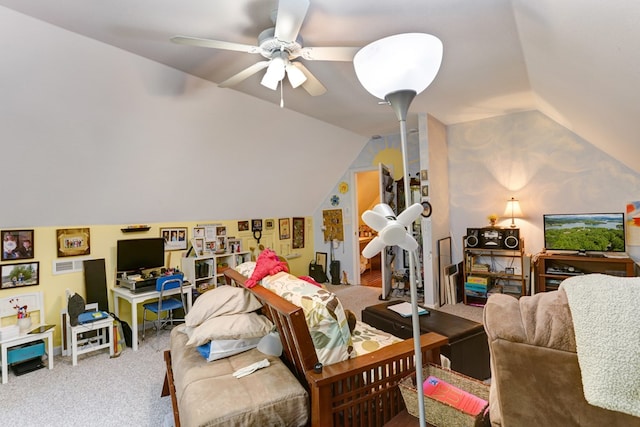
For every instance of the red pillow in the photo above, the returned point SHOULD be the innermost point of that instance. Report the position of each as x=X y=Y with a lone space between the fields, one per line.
x=267 y=264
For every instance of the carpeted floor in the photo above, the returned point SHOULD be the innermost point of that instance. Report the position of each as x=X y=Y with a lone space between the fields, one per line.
x=99 y=391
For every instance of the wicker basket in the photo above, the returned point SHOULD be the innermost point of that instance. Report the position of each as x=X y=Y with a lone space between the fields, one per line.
x=442 y=414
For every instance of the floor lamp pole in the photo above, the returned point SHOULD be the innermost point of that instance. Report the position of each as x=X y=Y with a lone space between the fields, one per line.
x=400 y=102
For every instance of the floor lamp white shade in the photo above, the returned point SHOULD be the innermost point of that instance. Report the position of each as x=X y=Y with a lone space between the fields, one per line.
x=401 y=62
x=396 y=69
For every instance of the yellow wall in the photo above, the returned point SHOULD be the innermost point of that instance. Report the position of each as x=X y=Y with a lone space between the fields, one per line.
x=103 y=241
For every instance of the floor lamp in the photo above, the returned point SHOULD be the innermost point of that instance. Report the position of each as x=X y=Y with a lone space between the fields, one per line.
x=396 y=69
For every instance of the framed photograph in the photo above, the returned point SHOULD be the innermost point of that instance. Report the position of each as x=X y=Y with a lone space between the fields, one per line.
x=198 y=245
x=17 y=244
x=424 y=175
x=198 y=232
x=321 y=260
x=298 y=233
x=22 y=274
x=175 y=239
x=234 y=244
x=73 y=242
x=269 y=224
x=285 y=229
x=425 y=191
x=209 y=247
x=243 y=225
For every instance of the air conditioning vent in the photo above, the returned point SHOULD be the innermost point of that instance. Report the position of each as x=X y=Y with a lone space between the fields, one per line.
x=64 y=267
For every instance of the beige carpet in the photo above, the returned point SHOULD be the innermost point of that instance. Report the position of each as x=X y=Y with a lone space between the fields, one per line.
x=356 y=298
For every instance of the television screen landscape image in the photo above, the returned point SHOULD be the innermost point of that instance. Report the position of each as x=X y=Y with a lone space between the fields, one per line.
x=585 y=232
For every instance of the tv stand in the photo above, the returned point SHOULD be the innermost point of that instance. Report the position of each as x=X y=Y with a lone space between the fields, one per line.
x=552 y=269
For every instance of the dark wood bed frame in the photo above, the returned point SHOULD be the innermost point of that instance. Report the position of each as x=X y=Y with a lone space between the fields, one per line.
x=362 y=391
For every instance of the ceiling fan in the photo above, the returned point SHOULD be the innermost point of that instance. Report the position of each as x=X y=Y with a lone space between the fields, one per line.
x=280 y=45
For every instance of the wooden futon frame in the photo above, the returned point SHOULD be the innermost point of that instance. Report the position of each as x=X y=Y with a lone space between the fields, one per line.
x=362 y=391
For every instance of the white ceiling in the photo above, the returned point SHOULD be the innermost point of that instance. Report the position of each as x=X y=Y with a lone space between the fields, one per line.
x=575 y=60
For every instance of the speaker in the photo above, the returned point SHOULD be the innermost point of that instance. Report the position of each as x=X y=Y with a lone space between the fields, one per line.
x=511 y=238
x=473 y=238
x=95 y=283
x=334 y=270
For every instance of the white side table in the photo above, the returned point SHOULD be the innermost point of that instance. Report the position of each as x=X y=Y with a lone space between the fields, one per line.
x=104 y=339
x=24 y=338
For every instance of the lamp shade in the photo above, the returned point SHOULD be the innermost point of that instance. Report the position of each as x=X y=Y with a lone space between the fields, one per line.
x=401 y=62
x=270 y=344
x=513 y=209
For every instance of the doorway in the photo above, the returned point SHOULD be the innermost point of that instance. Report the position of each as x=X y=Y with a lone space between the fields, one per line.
x=367 y=196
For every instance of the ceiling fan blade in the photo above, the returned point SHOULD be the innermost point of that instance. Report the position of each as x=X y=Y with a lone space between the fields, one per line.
x=409 y=243
x=215 y=44
x=373 y=248
x=247 y=72
x=311 y=85
x=410 y=214
x=291 y=13
x=329 y=53
x=374 y=220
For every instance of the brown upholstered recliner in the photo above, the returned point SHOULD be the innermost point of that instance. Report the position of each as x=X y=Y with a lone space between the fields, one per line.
x=535 y=376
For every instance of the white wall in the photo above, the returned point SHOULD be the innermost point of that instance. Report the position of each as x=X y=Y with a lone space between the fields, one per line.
x=95 y=135
x=547 y=167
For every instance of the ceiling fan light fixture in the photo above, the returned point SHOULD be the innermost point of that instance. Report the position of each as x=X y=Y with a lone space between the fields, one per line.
x=275 y=72
x=401 y=62
x=295 y=75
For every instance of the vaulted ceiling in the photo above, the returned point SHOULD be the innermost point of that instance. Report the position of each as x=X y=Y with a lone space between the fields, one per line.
x=576 y=61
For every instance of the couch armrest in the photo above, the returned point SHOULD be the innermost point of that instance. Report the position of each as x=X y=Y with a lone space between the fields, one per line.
x=370 y=381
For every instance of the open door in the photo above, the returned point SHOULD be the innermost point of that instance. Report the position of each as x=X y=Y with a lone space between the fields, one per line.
x=388 y=254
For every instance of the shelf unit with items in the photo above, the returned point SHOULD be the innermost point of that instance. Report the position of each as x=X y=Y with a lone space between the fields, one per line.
x=488 y=270
x=552 y=269
x=206 y=271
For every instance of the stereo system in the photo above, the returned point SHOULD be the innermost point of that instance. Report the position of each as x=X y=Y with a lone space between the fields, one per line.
x=493 y=238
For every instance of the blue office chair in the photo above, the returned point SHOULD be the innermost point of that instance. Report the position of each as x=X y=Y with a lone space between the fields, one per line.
x=164 y=305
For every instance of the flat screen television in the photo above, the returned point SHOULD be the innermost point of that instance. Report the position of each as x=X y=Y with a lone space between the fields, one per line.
x=140 y=254
x=600 y=232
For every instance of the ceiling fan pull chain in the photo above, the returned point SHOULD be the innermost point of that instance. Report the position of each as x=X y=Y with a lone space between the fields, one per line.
x=281 y=94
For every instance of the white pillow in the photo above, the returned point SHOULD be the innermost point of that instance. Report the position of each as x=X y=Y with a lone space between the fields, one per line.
x=229 y=327
x=246 y=268
x=219 y=349
x=221 y=301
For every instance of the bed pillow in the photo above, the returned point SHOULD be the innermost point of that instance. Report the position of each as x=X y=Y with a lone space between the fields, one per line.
x=229 y=327
x=220 y=301
x=325 y=316
x=246 y=268
x=219 y=349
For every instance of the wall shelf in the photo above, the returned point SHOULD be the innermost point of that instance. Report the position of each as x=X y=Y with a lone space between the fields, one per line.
x=136 y=229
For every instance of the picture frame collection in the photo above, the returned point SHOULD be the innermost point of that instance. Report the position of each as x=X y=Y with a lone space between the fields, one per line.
x=18 y=245
x=19 y=268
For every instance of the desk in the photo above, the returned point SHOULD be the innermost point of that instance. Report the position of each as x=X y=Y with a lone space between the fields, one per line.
x=24 y=338
x=136 y=298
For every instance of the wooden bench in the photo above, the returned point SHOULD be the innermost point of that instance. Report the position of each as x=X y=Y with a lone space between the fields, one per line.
x=360 y=391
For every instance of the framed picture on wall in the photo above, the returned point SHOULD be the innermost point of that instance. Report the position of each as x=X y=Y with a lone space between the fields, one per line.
x=73 y=242
x=22 y=274
x=268 y=224
x=243 y=225
x=17 y=244
x=285 y=230
x=298 y=233
x=175 y=239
